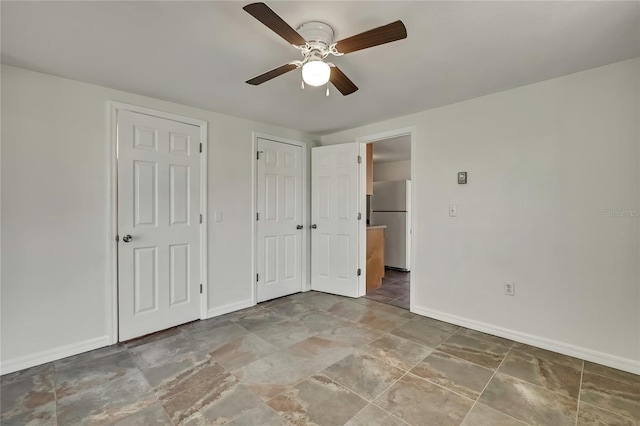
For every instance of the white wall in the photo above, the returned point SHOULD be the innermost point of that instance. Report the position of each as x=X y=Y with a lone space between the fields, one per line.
x=393 y=170
x=55 y=212
x=545 y=162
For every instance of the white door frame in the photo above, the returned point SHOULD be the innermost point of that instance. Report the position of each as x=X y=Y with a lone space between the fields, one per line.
x=112 y=289
x=362 y=228
x=306 y=282
x=411 y=131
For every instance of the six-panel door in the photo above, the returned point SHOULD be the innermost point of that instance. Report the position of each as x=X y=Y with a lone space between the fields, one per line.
x=334 y=218
x=158 y=223
x=279 y=232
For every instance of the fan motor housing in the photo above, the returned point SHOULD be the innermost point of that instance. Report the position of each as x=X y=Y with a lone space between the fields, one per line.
x=317 y=34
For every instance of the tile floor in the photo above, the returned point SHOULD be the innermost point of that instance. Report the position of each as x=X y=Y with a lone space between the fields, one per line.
x=313 y=358
x=394 y=289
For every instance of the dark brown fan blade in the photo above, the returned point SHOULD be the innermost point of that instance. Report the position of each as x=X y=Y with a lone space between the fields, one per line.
x=264 y=14
x=271 y=74
x=375 y=37
x=342 y=82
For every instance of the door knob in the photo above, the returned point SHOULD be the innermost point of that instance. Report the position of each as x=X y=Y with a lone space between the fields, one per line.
x=299 y=227
x=127 y=238
x=314 y=226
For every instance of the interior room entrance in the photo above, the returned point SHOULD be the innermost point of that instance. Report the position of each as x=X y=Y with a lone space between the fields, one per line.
x=388 y=210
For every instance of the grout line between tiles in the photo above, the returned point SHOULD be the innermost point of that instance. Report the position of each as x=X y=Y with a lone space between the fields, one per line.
x=399 y=378
x=428 y=381
x=360 y=411
x=601 y=408
x=382 y=393
x=579 y=392
x=443 y=387
x=636 y=385
x=355 y=393
x=390 y=413
x=55 y=393
x=389 y=363
x=534 y=385
x=504 y=414
x=538 y=386
x=487 y=385
x=165 y=410
x=464 y=360
x=307 y=378
x=370 y=401
x=611 y=412
x=511 y=349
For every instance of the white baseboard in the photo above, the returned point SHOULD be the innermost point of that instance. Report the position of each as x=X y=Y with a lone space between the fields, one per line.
x=625 y=364
x=31 y=360
x=232 y=307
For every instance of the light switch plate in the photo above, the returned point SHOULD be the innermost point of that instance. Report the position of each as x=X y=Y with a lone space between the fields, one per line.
x=217 y=216
x=453 y=210
x=462 y=178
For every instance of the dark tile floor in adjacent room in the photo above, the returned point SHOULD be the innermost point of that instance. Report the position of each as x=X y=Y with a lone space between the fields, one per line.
x=394 y=289
x=313 y=358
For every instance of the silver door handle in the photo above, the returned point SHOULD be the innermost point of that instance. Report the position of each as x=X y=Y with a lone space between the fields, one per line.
x=299 y=227
x=127 y=238
x=314 y=226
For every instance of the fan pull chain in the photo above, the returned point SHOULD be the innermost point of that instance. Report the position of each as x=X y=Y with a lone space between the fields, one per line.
x=327 y=89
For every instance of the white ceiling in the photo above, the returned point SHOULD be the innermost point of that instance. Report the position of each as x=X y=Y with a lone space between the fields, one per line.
x=393 y=149
x=200 y=53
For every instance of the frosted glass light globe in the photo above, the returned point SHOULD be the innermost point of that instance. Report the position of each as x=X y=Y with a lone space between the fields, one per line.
x=316 y=73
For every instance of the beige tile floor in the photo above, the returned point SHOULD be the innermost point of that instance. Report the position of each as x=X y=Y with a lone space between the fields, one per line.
x=313 y=358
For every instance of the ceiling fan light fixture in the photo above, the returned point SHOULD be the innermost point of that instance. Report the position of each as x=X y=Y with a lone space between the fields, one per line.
x=316 y=73
x=314 y=40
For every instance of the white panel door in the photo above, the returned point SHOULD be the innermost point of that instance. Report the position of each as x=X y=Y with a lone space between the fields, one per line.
x=158 y=223
x=334 y=218
x=279 y=227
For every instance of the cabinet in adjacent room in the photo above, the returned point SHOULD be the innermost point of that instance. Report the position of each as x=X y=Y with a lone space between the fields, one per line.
x=375 y=256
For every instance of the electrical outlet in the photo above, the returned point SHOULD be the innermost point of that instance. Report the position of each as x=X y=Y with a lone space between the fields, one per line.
x=510 y=288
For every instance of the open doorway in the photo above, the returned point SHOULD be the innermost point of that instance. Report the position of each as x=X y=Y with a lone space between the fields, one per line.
x=388 y=214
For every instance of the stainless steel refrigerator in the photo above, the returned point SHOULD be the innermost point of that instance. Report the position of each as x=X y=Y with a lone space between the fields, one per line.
x=391 y=206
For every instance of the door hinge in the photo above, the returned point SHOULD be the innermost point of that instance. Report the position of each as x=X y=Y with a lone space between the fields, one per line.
x=200 y=217
x=359 y=271
x=117 y=238
x=200 y=288
x=200 y=147
x=258 y=155
x=257 y=277
x=359 y=159
x=359 y=216
x=257 y=216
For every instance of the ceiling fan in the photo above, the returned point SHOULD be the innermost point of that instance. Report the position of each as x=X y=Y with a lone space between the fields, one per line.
x=315 y=41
